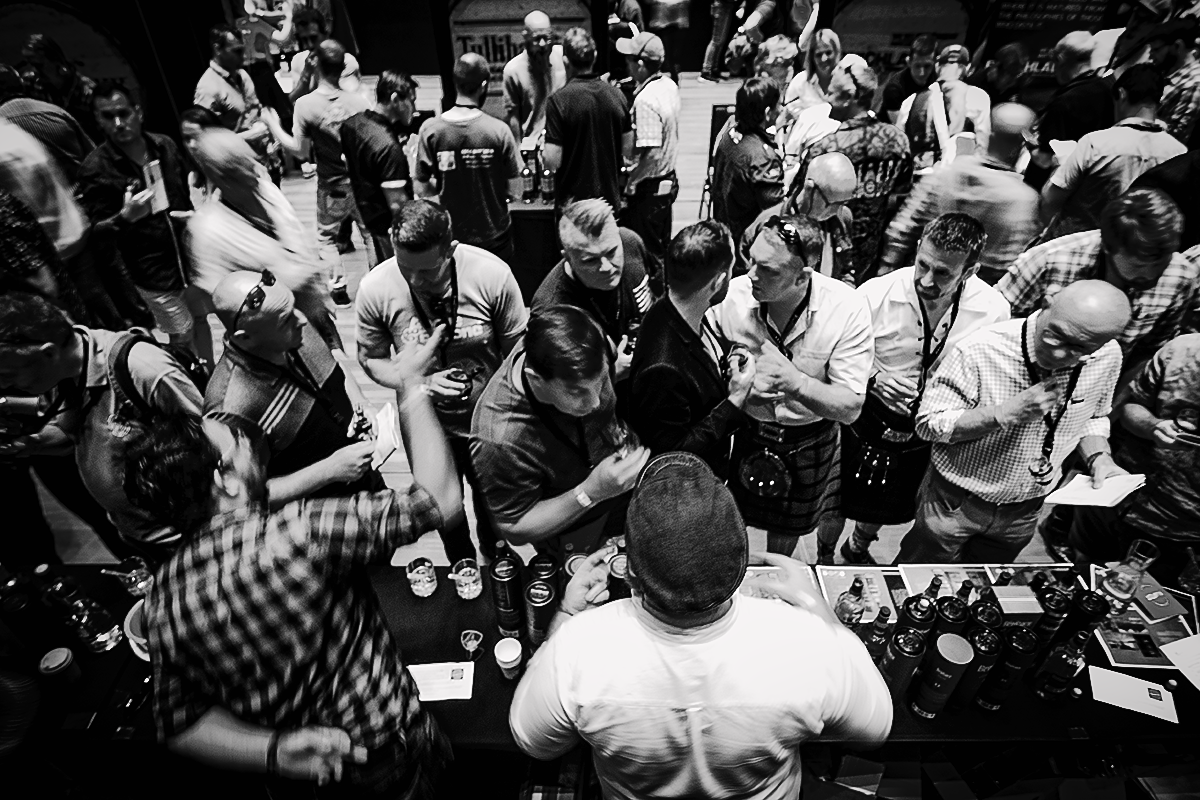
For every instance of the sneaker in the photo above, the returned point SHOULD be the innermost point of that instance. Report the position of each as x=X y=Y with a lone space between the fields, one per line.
x=707 y=77
x=345 y=247
x=851 y=557
x=337 y=291
x=825 y=557
x=308 y=170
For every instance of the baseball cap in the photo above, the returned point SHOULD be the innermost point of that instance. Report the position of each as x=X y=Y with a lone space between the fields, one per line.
x=645 y=45
x=685 y=537
x=954 y=53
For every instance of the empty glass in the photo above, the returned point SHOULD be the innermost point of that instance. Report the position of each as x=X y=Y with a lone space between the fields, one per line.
x=471 y=641
x=421 y=577
x=136 y=576
x=467 y=579
x=1121 y=582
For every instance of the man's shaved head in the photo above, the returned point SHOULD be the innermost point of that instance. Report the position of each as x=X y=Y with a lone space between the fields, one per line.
x=1011 y=123
x=829 y=183
x=331 y=59
x=229 y=298
x=833 y=172
x=537 y=21
x=1082 y=318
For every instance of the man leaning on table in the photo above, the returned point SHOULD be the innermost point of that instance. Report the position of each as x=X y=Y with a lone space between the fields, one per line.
x=1003 y=411
x=268 y=650
x=702 y=696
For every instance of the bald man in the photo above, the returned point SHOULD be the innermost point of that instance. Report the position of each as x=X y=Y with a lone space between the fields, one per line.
x=317 y=124
x=276 y=377
x=532 y=76
x=1003 y=411
x=470 y=162
x=985 y=186
x=822 y=197
x=253 y=228
x=1082 y=104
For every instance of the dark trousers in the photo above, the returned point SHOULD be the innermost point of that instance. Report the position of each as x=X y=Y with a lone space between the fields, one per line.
x=383 y=247
x=28 y=540
x=457 y=540
x=270 y=93
x=649 y=215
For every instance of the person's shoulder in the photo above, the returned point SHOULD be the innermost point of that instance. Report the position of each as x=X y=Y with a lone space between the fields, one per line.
x=631 y=238
x=979 y=296
x=991 y=339
x=479 y=266
x=381 y=281
x=878 y=289
x=517 y=64
x=550 y=290
x=739 y=296
x=835 y=291
x=1064 y=247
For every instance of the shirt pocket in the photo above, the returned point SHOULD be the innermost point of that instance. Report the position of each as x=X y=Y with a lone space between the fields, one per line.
x=812 y=361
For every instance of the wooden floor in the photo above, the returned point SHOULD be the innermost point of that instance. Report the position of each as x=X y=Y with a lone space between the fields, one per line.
x=77 y=544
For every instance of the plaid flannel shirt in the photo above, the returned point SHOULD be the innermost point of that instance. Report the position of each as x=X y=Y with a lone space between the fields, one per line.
x=271 y=617
x=1158 y=312
x=986 y=369
x=1181 y=101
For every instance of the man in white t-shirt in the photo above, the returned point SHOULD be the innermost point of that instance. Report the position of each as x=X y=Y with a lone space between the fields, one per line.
x=687 y=689
x=310 y=30
x=434 y=280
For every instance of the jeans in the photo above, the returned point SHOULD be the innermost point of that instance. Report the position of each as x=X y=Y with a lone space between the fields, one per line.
x=722 y=24
x=457 y=540
x=648 y=214
x=953 y=525
x=335 y=204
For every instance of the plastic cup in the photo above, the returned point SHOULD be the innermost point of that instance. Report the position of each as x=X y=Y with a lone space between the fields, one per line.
x=508 y=657
x=60 y=664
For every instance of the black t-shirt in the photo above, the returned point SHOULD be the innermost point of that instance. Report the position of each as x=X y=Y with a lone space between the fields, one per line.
x=371 y=145
x=587 y=118
x=1082 y=106
x=899 y=87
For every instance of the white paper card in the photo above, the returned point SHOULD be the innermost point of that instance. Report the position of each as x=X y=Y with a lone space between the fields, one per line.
x=1135 y=694
x=387 y=435
x=1080 y=492
x=451 y=680
x=1185 y=654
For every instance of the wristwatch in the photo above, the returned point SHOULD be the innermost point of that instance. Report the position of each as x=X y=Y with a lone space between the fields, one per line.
x=582 y=498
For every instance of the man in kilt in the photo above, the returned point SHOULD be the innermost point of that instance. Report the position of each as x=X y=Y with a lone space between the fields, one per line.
x=918 y=314
x=810 y=337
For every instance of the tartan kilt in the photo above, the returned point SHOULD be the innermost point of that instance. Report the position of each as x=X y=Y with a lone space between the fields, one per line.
x=895 y=501
x=813 y=460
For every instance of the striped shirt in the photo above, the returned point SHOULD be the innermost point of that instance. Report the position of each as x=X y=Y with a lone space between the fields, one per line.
x=1158 y=311
x=656 y=130
x=988 y=368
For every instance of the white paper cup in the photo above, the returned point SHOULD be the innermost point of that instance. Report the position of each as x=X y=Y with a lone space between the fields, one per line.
x=508 y=657
x=135 y=624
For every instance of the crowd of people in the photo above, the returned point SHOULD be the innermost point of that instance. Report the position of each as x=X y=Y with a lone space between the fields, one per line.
x=929 y=299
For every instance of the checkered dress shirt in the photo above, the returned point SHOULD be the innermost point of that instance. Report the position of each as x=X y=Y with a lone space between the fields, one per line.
x=656 y=128
x=271 y=617
x=1158 y=311
x=1181 y=101
x=986 y=369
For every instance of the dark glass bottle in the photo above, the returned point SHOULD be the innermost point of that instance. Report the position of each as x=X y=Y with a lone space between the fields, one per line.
x=875 y=636
x=850 y=605
x=1060 y=668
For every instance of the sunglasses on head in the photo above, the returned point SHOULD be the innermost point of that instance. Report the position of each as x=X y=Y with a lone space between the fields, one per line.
x=255 y=297
x=786 y=230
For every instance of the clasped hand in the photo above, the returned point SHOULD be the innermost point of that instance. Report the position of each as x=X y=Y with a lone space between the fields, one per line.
x=774 y=375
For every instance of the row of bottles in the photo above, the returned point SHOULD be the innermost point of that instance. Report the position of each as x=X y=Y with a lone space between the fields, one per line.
x=537 y=179
x=31 y=604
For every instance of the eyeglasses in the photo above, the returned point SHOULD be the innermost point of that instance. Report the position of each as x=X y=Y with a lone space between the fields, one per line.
x=255 y=297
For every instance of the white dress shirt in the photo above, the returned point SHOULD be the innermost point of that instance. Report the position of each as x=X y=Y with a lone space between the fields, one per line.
x=717 y=711
x=899 y=329
x=988 y=368
x=831 y=342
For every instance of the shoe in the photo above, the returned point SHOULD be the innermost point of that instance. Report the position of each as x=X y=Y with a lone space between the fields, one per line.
x=337 y=291
x=707 y=77
x=308 y=170
x=345 y=247
x=851 y=557
x=825 y=558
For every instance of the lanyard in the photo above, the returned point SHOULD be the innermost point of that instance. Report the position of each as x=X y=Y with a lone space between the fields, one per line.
x=579 y=448
x=626 y=308
x=1052 y=420
x=448 y=304
x=710 y=341
x=781 y=338
x=930 y=354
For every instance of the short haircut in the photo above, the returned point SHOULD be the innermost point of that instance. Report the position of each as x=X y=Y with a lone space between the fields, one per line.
x=755 y=98
x=579 y=48
x=1143 y=85
x=107 y=87
x=589 y=217
x=169 y=472
x=199 y=115
x=923 y=45
x=28 y=321
x=217 y=34
x=309 y=16
x=419 y=225
x=563 y=343
x=956 y=233
x=1144 y=221
x=806 y=241
x=470 y=74
x=331 y=59
x=391 y=82
x=697 y=254
x=822 y=36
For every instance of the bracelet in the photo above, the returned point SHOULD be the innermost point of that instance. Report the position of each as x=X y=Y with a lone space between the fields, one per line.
x=273 y=753
x=1092 y=459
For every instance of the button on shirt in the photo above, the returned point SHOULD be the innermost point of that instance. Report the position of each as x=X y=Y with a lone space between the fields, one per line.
x=716 y=711
x=271 y=618
x=1157 y=312
x=1102 y=167
x=491 y=318
x=656 y=129
x=831 y=342
x=986 y=369
x=898 y=327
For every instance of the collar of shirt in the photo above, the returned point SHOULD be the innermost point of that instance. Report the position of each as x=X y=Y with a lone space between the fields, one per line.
x=647 y=82
x=217 y=68
x=462 y=113
x=117 y=156
x=703 y=633
x=1140 y=123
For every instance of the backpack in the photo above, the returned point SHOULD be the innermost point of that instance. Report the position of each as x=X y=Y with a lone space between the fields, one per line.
x=129 y=402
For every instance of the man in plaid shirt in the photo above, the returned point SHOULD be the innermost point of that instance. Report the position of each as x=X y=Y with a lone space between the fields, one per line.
x=269 y=651
x=1003 y=411
x=1171 y=53
x=1135 y=251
